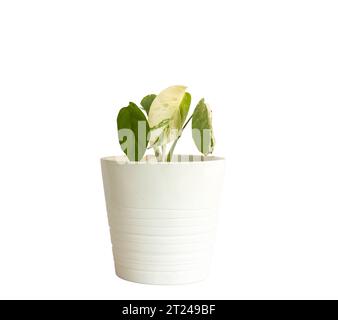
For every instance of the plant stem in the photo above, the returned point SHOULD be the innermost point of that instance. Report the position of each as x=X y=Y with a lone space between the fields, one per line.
x=157 y=153
x=163 y=153
x=171 y=151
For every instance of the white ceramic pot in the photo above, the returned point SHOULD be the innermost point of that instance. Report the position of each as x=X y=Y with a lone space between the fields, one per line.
x=162 y=217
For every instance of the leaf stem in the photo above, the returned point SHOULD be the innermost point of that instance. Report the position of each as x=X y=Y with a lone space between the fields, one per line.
x=157 y=153
x=163 y=152
x=171 y=151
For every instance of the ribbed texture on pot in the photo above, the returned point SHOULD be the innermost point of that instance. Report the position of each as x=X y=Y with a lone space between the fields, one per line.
x=166 y=242
x=161 y=246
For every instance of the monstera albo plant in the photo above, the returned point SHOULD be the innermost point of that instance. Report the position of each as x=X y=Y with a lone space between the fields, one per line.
x=159 y=122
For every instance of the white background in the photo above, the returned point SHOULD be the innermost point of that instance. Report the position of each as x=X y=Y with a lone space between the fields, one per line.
x=269 y=69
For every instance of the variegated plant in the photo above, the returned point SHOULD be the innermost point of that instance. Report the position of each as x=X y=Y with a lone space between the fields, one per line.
x=161 y=123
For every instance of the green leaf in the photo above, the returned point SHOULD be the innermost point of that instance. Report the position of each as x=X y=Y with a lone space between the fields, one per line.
x=184 y=107
x=202 y=131
x=133 y=131
x=147 y=101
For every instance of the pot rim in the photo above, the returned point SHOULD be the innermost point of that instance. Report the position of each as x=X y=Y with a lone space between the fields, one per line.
x=178 y=159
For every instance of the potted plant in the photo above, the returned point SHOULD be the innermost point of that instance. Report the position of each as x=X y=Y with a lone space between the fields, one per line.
x=162 y=207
